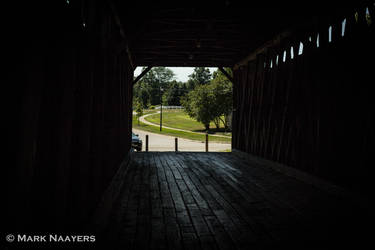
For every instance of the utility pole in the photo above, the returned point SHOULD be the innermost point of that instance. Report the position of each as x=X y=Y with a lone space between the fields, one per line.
x=161 y=108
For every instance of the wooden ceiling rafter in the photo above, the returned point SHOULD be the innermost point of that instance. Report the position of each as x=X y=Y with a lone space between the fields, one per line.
x=224 y=33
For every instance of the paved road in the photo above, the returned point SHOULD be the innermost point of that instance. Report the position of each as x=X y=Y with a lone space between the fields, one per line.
x=166 y=143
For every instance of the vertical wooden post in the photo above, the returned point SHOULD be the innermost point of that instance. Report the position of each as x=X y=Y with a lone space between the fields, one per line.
x=206 y=142
x=175 y=144
x=146 y=143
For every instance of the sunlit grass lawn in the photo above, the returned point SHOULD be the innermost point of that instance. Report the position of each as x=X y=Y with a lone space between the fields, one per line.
x=176 y=133
x=179 y=119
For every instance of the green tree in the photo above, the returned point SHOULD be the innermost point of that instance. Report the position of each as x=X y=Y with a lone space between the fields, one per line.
x=199 y=104
x=223 y=92
x=173 y=94
x=138 y=109
x=200 y=76
x=142 y=93
x=156 y=78
x=210 y=102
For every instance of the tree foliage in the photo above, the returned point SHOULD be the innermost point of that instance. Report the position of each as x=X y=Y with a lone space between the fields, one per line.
x=199 y=104
x=210 y=102
x=138 y=108
x=142 y=93
x=148 y=89
x=173 y=94
x=223 y=89
x=200 y=76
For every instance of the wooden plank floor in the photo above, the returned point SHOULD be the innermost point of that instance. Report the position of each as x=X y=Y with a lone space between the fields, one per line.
x=219 y=201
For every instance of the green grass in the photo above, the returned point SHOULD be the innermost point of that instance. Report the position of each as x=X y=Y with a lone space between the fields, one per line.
x=176 y=133
x=179 y=119
x=226 y=150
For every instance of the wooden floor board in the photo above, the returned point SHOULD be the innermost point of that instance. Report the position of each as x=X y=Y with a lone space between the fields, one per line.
x=219 y=201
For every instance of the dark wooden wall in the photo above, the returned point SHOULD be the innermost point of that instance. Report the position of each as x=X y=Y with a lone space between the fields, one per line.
x=71 y=112
x=314 y=112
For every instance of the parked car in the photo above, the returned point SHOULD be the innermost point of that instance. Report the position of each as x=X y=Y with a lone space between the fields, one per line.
x=136 y=142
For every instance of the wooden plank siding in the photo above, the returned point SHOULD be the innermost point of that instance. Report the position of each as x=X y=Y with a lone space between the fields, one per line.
x=313 y=112
x=221 y=201
x=73 y=126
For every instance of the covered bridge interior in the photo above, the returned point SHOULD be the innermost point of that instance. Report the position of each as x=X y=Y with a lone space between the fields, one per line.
x=302 y=77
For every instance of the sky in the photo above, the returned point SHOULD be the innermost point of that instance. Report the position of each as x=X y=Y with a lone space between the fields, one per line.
x=181 y=73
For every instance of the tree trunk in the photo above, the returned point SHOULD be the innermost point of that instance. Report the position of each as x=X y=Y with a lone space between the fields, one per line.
x=207 y=126
x=217 y=122
x=224 y=121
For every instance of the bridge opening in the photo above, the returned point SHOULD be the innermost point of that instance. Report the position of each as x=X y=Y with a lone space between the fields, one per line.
x=179 y=108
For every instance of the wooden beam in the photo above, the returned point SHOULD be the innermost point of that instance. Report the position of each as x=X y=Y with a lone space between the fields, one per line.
x=230 y=78
x=144 y=72
x=122 y=33
x=263 y=49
